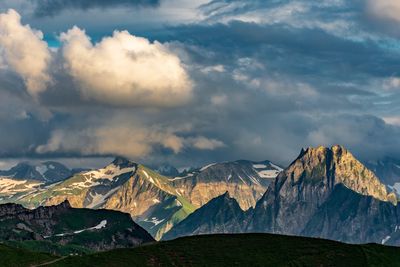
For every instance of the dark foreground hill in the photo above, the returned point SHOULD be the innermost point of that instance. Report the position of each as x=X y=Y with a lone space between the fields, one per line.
x=10 y=256
x=61 y=229
x=238 y=250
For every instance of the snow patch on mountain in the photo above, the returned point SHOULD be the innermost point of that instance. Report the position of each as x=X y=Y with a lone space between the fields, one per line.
x=42 y=169
x=183 y=177
x=109 y=172
x=276 y=167
x=268 y=174
x=100 y=226
x=386 y=239
x=95 y=177
x=149 y=177
x=154 y=220
x=99 y=199
x=259 y=166
x=207 y=166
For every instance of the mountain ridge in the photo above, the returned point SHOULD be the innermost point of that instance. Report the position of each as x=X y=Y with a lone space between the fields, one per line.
x=46 y=172
x=154 y=201
x=299 y=199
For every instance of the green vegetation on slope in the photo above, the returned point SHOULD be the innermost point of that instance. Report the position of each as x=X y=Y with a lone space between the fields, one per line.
x=221 y=250
x=49 y=247
x=243 y=250
x=16 y=257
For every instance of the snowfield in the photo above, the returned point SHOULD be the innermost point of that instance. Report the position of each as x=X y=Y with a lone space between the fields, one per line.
x=100 y=226
x=109 y=172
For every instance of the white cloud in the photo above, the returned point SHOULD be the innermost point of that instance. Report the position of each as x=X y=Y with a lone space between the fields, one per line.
x=392 y=83
x=24 y=51
x=215 y=68
x=393 y=120
x=117 y=136
x=134 y=142
x=204 y=143
x=385 y=9
x=125 y=70
x=219 y=100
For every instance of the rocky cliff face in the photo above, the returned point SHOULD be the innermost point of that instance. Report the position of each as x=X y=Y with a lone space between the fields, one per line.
x=151 y=200
x=350 y=217
x=61 y=224
x=324 y=193
x=306 y=184
x=245 y=181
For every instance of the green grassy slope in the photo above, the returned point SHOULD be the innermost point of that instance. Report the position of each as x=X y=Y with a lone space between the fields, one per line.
x=16 y=257
x=49 y=247
x=221 y=250
x=243 y=250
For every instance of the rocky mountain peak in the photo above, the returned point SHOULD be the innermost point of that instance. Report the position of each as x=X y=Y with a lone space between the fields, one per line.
x=226 y=195
x=336 y=165
x=223 y=199
x=123 y=162
x=65 y=205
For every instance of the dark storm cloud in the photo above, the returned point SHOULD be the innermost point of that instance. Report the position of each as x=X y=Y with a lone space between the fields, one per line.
x=315 y=88
x=267 y=88
x=53 y=7
x=310 y=53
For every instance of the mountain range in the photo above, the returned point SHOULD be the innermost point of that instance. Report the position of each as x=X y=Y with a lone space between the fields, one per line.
x=47 y=172
x=323 y=193
x=156 y=202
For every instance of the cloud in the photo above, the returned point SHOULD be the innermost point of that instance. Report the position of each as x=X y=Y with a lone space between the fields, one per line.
x=385 y=9
x=204 y=143
x=53 y=7
x=368 y=136
x=394 y=120
x=25 y=52
x=125 y=70
x=138 y=141
x=247 y=100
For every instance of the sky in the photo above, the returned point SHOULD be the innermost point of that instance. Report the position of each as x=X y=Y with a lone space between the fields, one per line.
x=193 y=82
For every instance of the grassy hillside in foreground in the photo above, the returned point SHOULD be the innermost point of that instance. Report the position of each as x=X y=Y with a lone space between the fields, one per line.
x=243 y=250
x=49 y=247
x=16 y=257
x=221 y=250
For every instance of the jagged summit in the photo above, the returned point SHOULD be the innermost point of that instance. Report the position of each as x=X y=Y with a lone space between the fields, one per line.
x=65 y=204
x=226 y=195
x=123 y=162
x=331 y=166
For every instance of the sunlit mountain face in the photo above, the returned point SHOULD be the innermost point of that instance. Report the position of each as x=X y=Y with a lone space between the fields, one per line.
x=173 y=118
